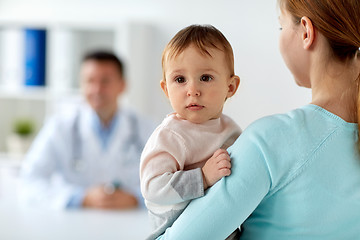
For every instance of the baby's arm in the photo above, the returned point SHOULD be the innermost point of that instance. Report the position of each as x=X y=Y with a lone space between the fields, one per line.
x=168 y=185
x=162 y=180
x=216 y=167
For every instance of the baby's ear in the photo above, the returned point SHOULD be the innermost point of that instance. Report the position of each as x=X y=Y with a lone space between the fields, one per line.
x=164 y=87
x=233 y=85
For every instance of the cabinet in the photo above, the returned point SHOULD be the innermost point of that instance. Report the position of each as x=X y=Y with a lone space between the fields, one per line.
x=137 y=44
x=35 y=103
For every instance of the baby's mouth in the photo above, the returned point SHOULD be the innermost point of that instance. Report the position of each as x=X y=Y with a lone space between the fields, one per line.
x=194 y=106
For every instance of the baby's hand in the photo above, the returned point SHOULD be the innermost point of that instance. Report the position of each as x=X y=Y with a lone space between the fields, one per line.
x=216 y=167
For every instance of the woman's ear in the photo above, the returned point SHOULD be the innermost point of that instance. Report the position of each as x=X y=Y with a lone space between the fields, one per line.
x=308 y=32
x=233 y=86
x=164 y=87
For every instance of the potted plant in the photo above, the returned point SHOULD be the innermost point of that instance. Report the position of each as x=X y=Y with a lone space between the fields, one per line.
x=19 y=141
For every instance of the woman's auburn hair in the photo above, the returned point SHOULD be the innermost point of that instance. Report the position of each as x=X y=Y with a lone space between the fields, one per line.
x=339 y=23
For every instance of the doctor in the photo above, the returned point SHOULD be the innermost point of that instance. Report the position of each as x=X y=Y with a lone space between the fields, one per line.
x=89 y=157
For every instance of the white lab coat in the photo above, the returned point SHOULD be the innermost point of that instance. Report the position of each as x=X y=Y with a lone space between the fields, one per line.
x=65 y=160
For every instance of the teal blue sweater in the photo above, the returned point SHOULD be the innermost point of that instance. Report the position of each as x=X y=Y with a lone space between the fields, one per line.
x=294 y=176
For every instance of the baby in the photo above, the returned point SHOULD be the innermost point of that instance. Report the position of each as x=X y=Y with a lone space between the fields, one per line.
x=187 y=154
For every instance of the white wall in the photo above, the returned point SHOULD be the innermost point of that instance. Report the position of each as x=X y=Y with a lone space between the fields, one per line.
x=251 y=27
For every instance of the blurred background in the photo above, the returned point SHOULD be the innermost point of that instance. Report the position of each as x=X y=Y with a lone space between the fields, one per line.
x=137 y=30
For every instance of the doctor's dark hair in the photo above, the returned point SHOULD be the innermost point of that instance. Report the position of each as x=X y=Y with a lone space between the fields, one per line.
x=339 y=22
x=202 y=37
x=105 y=56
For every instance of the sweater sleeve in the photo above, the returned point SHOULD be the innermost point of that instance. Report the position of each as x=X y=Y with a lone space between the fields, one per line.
x=228 y=203
x=162 y=179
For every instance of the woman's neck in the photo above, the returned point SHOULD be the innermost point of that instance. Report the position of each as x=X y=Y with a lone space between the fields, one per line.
x=336 y=90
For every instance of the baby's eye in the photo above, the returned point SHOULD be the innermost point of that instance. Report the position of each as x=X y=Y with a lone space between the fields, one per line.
x=180 y=79
x=206 y=78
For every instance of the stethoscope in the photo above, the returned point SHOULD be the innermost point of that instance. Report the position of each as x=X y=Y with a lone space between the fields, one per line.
x=79 y=164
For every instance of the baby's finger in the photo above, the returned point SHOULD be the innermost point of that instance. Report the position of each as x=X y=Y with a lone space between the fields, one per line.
x=219 y=152
x=224 y=164
x=225 y=172
x=223 y=156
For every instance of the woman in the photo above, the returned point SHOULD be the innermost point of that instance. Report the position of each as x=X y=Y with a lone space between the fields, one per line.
x=296 y=175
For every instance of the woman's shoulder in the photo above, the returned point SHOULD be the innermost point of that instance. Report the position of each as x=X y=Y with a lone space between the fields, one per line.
x=284 y=136
x=308 y=121
x=279 y=123
x=283 y=141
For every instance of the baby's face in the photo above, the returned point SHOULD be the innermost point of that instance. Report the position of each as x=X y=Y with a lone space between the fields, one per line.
x=197 y=84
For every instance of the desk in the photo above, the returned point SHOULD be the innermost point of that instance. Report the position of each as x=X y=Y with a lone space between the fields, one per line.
x=25 y=224
x=20 y=223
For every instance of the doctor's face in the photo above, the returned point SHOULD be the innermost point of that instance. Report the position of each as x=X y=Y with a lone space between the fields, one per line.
x=101 y=83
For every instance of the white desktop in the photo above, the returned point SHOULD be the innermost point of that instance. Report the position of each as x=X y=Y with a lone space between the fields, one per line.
x=20 y=223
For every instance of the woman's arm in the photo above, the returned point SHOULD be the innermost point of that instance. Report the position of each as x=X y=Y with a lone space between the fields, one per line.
x=229 y=202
